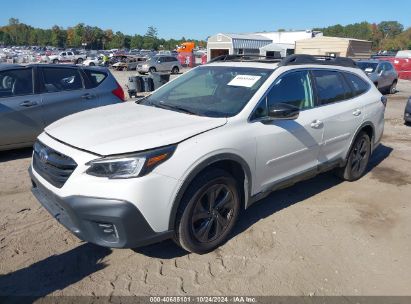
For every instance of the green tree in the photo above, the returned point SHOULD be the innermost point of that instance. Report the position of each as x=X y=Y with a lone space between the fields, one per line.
x=390 y=28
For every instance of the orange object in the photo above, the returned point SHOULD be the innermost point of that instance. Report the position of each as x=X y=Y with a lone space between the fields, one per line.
x=154 y=160
x=186 y=47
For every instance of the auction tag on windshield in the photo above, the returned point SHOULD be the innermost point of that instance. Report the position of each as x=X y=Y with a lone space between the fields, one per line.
x=244 y=81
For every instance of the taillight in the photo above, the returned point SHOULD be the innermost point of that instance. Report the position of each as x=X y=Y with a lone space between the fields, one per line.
x=119 y=92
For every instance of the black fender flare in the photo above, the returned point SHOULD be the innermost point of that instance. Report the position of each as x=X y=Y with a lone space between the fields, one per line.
x=200 y=167
x=362 y=126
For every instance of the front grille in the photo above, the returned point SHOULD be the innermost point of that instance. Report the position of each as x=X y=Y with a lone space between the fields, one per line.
x=52 y=165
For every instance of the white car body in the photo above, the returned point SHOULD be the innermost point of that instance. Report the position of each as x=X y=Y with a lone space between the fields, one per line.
x=126 y=128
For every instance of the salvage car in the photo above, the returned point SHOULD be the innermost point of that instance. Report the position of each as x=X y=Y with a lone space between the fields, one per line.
x=382 y=74
x=34 y=96
x=160 y=64
x=183 y=162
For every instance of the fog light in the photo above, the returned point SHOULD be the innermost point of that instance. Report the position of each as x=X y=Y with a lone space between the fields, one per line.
x=407 y=114
x=108 y=232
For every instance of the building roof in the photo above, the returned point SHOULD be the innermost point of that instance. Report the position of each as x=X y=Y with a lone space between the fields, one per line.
x=245 y=36
x=334 y=38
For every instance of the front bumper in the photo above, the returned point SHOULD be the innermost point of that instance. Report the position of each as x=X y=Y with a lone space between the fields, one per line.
x=105 y=222
x=142 y=69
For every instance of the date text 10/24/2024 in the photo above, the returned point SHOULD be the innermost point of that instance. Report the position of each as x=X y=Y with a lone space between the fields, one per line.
x=203 y=299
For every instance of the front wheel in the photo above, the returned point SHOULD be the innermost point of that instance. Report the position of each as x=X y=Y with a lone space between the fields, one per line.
x=80 y=61
x=55 y=61
x=357 y=159
x=152 y=70
x=175 y=70
x=208 y=211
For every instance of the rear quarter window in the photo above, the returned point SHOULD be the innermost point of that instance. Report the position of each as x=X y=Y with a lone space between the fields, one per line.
x=95 y=77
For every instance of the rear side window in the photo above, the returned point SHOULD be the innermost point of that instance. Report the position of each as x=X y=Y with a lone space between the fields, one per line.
x=61 y=79
x=359 y=86
x=95 y=77
x=16 y=82
x=331 y=87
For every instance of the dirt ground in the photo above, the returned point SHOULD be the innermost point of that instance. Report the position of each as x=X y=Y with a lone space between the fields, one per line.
x=319 y=237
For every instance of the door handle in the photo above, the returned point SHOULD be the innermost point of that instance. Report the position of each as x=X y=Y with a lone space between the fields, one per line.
x=88 y=96
x=28 y=103
x=316 y=124
x=357 y=112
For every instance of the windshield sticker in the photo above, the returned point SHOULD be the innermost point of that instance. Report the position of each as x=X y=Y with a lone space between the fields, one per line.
x=244 y=81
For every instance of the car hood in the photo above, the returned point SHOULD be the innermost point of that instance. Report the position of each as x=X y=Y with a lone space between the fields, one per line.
x=128 y=127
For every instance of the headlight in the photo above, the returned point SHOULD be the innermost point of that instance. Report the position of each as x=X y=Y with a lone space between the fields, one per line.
x=130 y=165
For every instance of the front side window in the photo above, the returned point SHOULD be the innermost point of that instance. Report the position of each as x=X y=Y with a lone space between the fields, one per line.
x=61 y=79
x=331 y=87
x=293 y=88
x=16 y=82
x=210 y=91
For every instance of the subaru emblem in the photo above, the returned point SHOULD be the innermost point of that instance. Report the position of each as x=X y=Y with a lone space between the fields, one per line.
x=43 y=155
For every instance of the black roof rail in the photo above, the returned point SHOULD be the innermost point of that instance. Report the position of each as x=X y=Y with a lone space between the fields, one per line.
x=246 y=58
x=298 y=59
x=295 y=59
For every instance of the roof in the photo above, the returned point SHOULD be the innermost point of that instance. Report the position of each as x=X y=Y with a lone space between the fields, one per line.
x=333 y=38
x=245 y=36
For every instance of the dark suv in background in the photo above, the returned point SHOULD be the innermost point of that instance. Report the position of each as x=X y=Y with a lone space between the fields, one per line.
x=33 y=96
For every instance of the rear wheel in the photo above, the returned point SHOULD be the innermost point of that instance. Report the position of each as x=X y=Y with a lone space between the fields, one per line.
x=80 y=61
x=55 y=61
x=393 y=88
x=152 y=70
x=208 y=211
x=92 y=64
x=357 y=159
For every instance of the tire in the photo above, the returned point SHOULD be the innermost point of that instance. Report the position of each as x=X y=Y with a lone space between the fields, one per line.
x=175 y=70
x=141 y=73
x=203 y=200
x=152 y=70
x=92 y=64
x=55 y=61
x=357 y=160
x=80 y=61
x=393 y=87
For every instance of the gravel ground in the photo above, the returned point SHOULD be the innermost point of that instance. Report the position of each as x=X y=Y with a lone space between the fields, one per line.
x=319 y=237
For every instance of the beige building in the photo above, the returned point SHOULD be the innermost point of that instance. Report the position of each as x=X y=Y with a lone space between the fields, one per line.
x=334 y=46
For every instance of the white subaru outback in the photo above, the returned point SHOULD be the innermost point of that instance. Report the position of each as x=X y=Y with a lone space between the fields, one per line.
x=184 y=161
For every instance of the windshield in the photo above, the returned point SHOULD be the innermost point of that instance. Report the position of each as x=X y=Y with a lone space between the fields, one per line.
x=210 y=91
x=367 y=66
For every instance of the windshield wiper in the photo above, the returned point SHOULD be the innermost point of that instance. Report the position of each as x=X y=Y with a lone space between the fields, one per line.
x=175 y=107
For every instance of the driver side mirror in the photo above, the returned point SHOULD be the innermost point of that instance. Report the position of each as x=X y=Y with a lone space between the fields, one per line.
x=283 y=111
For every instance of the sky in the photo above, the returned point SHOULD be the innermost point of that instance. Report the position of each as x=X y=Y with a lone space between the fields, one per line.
x=200 y=19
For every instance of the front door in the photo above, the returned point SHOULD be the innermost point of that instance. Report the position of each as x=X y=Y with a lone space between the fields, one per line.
x=287 y=148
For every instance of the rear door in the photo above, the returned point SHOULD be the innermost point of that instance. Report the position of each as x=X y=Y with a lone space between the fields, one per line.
x=65 y=93
x=20 y=109
x=343 y=113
